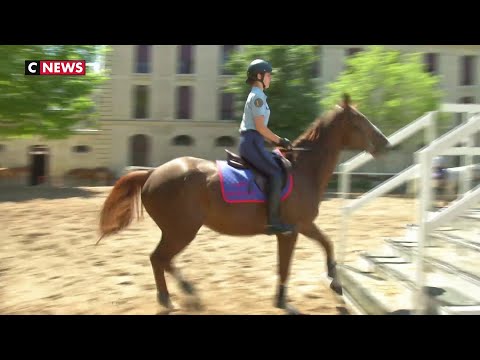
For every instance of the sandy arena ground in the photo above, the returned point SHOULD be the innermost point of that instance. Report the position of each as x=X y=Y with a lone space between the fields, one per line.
x=49 y=264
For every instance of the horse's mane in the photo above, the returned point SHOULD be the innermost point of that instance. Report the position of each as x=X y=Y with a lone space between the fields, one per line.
x=313 y=132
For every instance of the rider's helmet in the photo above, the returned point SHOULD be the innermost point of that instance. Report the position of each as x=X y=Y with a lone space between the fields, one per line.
x=258 y=66
x=439 y=162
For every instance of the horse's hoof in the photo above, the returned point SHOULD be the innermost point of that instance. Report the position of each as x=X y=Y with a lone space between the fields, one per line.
x=164 y=312
x=291 y=310
x=280 y=303
x=332 y=273
x=164 y=300
x=187 y=287
x=336 y=286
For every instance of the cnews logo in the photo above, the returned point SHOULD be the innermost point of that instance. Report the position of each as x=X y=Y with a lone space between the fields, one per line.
x=55 y=67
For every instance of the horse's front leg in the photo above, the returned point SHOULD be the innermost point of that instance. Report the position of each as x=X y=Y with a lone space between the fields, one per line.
x=313 y=232
x=286 y=246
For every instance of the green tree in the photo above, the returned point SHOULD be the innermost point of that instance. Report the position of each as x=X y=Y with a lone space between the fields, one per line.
x=47 y=106
x=391 y=88
x=292 y=96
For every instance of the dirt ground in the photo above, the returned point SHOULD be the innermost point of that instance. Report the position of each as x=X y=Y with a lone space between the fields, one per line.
x=49 y=264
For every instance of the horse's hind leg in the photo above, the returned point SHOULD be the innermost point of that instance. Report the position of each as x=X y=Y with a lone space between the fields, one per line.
x=184 y=284
x=170 y=245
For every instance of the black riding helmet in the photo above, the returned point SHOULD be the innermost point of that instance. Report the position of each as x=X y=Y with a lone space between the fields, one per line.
x=258 y=66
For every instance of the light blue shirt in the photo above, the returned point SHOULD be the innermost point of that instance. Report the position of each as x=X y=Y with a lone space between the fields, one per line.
x=256 y=105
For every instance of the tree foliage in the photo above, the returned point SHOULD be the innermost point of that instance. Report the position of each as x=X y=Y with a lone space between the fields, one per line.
x=292 y=96
x=391 y=88
x=47 y=106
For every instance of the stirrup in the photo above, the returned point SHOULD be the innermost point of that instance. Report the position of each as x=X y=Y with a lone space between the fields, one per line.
x=283 y=229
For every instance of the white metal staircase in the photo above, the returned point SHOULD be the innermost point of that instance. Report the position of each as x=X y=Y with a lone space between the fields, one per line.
x=411 y=263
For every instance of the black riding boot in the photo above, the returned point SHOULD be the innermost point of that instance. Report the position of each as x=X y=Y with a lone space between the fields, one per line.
x=274 y=194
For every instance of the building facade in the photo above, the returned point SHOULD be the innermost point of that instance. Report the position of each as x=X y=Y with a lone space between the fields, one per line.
x=165 y=101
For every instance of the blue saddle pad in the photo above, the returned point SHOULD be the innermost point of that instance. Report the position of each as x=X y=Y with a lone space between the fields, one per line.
x=238 y=185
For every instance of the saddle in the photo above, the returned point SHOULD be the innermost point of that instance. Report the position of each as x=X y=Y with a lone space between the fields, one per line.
x=260 y=179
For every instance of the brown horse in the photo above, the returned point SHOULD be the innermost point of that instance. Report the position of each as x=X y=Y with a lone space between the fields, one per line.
x=185 y=193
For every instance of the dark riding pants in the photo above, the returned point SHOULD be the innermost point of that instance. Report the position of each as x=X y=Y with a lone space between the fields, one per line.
x=252 y=148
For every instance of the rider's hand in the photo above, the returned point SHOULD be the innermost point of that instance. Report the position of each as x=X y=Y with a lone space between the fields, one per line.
x=285 y=143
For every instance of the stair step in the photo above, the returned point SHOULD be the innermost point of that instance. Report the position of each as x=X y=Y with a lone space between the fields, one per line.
x=460 y=310
x=445 y=289
x=373 y=294
x=468 y=235
x=467 y=219
x=386 y=282
x=458 y=241
x=472 y=214
x=445 y=257
x=461 y=228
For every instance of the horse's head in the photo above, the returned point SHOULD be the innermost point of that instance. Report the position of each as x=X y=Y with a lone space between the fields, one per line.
x=359 y=132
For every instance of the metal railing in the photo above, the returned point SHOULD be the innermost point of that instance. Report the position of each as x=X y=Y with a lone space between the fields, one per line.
x=425 y=123
x=427 y=220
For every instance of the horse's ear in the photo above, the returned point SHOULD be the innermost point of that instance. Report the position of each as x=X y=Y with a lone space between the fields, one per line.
x=345 y=100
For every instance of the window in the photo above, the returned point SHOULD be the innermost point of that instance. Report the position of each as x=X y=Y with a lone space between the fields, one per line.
x=141 y=102
x=467 y=69
x=81 y=149
x=431 y=63
x=353 y=51
x=139 y=150
x=227 y=111
x=316 y=65
x=467 y=100
x=184 y=102
x=350 y=52
x=38 y=149
x=185 y=59
x=143 y=58
x=463 y=100
x=226 y=141
x=183 y=140
x=226 y=52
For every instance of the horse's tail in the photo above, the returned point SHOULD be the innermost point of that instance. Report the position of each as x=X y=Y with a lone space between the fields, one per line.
x=122 y=202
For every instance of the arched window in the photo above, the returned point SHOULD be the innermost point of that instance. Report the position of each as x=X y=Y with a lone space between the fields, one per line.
x=225 y=141
x=183 y=140
x=81 y=149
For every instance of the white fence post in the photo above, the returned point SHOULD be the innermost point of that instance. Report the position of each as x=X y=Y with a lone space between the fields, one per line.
x=424 y=158
x=465 y=183
x=344 y=216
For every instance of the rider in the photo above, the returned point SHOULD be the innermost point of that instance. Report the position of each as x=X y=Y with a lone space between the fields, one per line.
x=439 y=166
x=253 y=132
